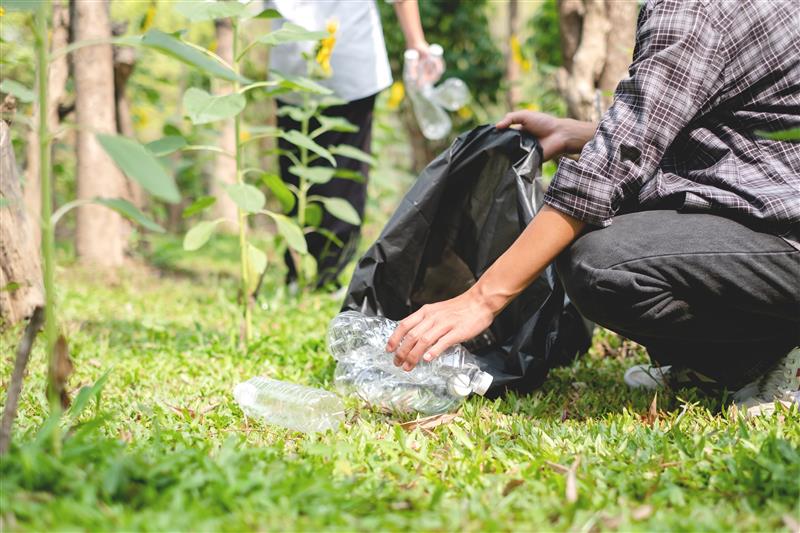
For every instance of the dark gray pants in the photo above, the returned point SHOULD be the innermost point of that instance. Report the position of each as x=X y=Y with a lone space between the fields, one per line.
x=697 y=290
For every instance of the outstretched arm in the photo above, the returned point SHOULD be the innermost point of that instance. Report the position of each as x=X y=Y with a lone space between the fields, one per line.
x=407 y=12
x=436 y=327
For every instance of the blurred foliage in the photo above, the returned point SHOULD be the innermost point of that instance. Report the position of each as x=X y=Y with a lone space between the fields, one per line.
x=544 y=42
x=470 y=52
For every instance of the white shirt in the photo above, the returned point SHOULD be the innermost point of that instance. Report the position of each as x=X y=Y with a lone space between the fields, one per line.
x=359 y=61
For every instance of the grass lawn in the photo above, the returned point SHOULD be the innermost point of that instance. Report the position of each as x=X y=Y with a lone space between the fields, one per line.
x=167 y=449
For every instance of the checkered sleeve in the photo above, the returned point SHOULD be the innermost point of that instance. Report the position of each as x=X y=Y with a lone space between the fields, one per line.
x=677 y=68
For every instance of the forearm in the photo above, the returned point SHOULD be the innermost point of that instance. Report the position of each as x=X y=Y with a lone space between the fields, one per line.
x=550 y=232
x=576 y=133
x=407 y=12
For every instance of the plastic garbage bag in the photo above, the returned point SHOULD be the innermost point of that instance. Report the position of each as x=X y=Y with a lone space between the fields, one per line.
x=467 y=207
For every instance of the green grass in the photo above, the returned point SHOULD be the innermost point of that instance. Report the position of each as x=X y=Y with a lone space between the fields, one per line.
x=167 y=449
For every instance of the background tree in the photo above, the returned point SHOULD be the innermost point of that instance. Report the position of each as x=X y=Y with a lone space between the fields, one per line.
x=99 y=238
x=597 y=39
x=20 y=269
x=224 y=169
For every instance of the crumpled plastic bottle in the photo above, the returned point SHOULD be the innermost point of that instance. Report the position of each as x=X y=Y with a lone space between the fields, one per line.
x=365 y=369
x=428 y=101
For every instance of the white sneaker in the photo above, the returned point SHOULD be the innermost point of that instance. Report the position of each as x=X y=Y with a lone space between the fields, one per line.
x=647 y=376
x=779 y=385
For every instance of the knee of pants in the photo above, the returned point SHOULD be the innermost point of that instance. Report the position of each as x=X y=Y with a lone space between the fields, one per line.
x=615 y=298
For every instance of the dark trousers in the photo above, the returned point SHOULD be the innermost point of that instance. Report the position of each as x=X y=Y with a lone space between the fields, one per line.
x=697 y=290
x=331 y=257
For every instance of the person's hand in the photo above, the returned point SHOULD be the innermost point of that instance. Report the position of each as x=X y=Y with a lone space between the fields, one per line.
x=549 y=130
x=428 y=68
x=436 y=327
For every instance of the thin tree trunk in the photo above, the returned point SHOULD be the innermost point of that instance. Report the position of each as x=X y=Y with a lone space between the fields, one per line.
x=124 y=63
x=57 y=79
x=21 y=288
x=512 y=67
x=224 y=172
x=597 y=43
x=99 y=238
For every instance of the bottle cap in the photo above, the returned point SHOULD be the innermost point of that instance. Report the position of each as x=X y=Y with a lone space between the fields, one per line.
x=436 y=50
x=482 y=382
x=458 y=385
x=411 y=54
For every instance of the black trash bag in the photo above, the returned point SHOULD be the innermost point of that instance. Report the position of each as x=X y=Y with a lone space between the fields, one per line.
x=467 y=207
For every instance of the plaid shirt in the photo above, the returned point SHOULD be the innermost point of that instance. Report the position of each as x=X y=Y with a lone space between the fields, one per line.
x=706 y=75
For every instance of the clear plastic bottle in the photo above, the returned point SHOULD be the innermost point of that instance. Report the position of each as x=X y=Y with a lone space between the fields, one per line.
x=452 y=94
x=358 y=343
x=289 y=405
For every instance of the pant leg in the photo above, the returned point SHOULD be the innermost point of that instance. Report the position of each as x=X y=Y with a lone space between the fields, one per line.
x=332 y=258
x=697 y=290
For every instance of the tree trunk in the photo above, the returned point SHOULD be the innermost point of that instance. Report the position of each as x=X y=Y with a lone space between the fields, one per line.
x=512 y=66
x=99 y=237
x=124 y=63
x=597 y=43
x=224 y=171
x=20 y=270
x=56 y=81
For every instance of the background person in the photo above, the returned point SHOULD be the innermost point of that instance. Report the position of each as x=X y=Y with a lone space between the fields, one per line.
x=360 y=70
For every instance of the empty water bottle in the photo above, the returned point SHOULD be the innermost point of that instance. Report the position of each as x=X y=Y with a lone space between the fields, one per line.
x=289 y=405
x=452 y=94
x=364 y=368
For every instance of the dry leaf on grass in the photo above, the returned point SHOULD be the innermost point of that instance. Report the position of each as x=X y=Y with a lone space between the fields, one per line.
x=511 y=485
x=642 y=512
x=428 y=422
x=61 y=371
x=651 y=416
x=572 y=481
x=561 y=469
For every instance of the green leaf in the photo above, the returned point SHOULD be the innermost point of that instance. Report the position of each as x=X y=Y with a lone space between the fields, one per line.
x=199 y=205
x=10 y=287
x=289 y=33
x=166 y=145
x=258 y=259
x=792 y=134
x=129 y=211
x=334 y=124
x=19 y=5
x=199 y=11
x=300 y=83
x=331 y=236
x=295 y=113
x=202 y=107
x=313 y=215
x=290 y=231
x=341 y=209
x=181 y=51
x=20 y=92
x=139 y=164
x=309 y=265
x=318 y=175
x=349 y=174
x=345 y=150
x=247 y=197
x=268 y=14
x=86 y=394
x=280 y=190
x=303 y=141
x=197 y=236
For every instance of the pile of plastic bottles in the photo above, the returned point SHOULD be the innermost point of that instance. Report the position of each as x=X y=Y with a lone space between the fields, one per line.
x=364 y=368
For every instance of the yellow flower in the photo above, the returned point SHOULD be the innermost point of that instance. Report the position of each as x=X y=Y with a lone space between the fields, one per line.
x=149 y=16
x=244 y=136
x=326 y=45
x=396 y=94
x=465 y=112
x=516 y=54
x=533 y=106
x=2 y=11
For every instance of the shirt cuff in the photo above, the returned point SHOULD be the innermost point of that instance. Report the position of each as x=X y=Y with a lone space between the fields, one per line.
x=580 y=194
